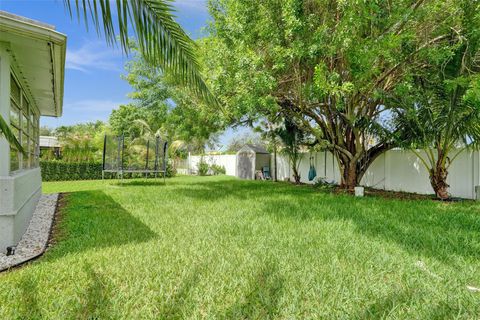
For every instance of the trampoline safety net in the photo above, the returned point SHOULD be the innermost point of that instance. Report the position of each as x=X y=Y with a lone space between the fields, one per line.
x=134 y=155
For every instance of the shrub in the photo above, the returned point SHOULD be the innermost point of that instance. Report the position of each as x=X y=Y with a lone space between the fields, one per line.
x=217 y=169
x=324 y=185
x=63 y=171
x=202 y=168
x=171 y=171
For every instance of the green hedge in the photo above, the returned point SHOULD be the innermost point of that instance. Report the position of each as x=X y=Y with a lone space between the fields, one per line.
x=63 y=171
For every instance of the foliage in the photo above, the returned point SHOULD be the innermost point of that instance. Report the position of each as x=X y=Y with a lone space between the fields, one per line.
x=161 y=40
x=46 y=131
x=203 y=167
x=122 y=120
x=63 y=171
x=293 y=138
x=238 y=141
x=222 y=248
x=171 y=170
x=66 y=171
x=441 y=104
x=168 y=108
x=8 y=134
x=324 y=185
x=217 y=169
x=330 y=65
x=81 y=142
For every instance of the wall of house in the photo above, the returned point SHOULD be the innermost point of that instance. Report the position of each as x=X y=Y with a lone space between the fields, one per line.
x=18 y=199
x=20 y=190
x=396 y=170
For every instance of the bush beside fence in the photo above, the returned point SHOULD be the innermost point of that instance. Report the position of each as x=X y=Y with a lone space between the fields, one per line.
x=64 y=171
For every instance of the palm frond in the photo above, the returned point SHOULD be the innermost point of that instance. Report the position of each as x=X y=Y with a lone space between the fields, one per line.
x=8 y=134
x=161 y=40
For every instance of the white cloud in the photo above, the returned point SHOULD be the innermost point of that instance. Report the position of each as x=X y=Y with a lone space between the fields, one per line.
x=91 y=56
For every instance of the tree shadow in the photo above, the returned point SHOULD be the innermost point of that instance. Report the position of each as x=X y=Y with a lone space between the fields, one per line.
x=433 y=229
x=393 y=303
x=381 y=308
x=174 y=306
x=28 y=306
x=238 y=189
x=93 y=303
x=138 y=182
x=95 y=299
x=93 y=220
x=430 y=228
x=262 y=301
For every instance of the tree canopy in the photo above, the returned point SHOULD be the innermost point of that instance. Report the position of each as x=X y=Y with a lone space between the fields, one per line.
x=331 y=66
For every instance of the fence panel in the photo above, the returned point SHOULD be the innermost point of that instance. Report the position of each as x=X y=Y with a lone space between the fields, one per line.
x=395 y=170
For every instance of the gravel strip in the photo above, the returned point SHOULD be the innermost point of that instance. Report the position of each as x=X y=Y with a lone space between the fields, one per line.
x=35 y=240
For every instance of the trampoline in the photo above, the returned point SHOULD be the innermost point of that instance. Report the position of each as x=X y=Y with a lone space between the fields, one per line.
x=134 y=156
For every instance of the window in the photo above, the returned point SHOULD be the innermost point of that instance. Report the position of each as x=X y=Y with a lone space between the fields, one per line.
x=15 y=121
x=24 y=122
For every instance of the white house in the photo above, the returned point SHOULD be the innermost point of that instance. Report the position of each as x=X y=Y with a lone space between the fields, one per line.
x=32 y=68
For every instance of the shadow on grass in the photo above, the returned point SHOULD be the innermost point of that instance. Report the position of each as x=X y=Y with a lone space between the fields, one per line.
x=239 y=189
x=262 y=301
x=140 y=182
x=430 y=228
x=422 y=228
x=94 y=220
x=392 y=304
x=174 y=306
x=95 y=298
x=28 y=306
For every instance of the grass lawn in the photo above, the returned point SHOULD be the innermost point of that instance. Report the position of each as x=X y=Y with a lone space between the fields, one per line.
x=220 y=248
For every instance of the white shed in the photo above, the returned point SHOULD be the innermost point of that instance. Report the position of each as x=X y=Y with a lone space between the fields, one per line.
x=251 y=158
x=32 y=68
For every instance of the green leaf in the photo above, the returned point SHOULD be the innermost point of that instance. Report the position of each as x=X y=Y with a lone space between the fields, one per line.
x=161 y=40
x=8 y=134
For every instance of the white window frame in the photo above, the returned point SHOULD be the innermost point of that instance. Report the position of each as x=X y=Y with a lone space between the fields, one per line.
x=28 y=132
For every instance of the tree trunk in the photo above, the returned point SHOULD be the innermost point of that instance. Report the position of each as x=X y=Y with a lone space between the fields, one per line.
x=352 y=171
x=349 y=174
x=296 y=175
x=438 y=180
x=275 y=161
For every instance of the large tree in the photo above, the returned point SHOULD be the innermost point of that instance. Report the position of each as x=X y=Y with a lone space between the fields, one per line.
x=327 y=64
x=165 y=106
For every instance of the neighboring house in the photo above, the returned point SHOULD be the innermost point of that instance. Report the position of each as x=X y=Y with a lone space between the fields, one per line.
x=32 y=68
x=49 y=144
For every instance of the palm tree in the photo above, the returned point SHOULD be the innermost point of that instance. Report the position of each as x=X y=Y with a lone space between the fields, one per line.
x=293 y=138
x=442 y=131
x=441 y=110
x=8 y=134
x=161 y=40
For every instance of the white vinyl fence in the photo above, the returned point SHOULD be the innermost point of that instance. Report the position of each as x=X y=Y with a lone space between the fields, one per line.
x=229 y=161
x=396 y=170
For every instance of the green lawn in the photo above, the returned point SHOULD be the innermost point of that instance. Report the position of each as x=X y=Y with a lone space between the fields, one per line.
x=220 y=248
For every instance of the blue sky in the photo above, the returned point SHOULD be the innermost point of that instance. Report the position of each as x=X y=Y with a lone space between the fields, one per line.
x=93 y=86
